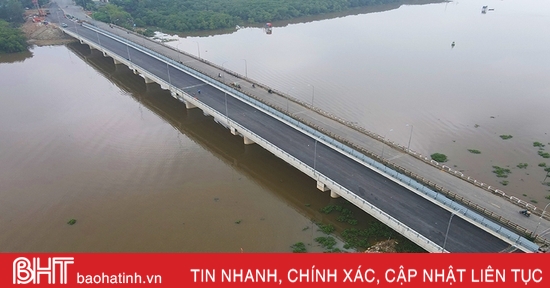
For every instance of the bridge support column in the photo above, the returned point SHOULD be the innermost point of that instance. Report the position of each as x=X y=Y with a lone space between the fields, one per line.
x=233 y=131
x=247 y=141
x=189 y=105
x=334 y=194
x=148 y=80
x=322 y=187
x=91 y=47
x=117 y=62
x=105 y=54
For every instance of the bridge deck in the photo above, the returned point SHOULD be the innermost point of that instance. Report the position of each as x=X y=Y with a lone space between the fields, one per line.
x=421 y=215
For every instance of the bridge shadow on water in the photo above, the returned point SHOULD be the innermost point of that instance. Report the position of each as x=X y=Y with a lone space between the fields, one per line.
x=252 y=161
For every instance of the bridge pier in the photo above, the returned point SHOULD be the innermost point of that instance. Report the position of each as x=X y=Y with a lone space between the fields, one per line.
x=147 y=80
x=117 y=62
x=334 y=194
x=105 y=54
x=233 y=131
x=322 y=187
x=248 y=141
x=189 y=105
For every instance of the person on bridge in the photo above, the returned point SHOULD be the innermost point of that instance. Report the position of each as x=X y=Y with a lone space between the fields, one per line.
x=199 y=91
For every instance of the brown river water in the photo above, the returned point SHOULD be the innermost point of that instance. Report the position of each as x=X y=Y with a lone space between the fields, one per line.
x=82 y=138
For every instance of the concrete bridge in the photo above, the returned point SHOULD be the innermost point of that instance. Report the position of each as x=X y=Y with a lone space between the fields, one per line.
x=397 y=189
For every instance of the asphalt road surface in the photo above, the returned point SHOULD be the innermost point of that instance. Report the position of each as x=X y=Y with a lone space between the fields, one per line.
x=412 y=210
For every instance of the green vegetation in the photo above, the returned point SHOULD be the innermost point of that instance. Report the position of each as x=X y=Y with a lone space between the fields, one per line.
x=113 y=14
x=188 y=15
x=11 y=39
x=345 y=214
x=474 y=151
x=501 y=172
x=476 y=126
x=11 y=16
x=542 y=164
x=439 y=157
x=522 y=165
x=534 y=201
x=547 y=197
x=71 y=222
x=326 y=228
x=544 y=154
x=538 y=144
x=506 y=137
x=327 y=243
x=238 y=221
x=361 y=238
x=505 y=183
x=86 y=4
x=299 y=247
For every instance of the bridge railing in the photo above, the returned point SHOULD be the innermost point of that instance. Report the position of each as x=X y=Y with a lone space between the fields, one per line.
x=384 y=217
x=353 y=125
x=319 y=133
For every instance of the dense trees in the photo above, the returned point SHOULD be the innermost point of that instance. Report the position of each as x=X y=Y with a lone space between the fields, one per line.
x=183 y=15
x=11 y=39
x=11 y=10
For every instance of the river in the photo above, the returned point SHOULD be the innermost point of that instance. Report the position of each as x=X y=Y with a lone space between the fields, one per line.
x=82 y=138
x=397 y=74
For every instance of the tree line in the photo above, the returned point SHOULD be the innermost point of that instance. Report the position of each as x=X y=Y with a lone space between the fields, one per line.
x=11 y=16
x=189 y=15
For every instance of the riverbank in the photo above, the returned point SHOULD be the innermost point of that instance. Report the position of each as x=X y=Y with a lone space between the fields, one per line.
x=44 y=35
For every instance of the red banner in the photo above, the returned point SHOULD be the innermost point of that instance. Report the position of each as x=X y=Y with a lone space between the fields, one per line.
x=274 y=270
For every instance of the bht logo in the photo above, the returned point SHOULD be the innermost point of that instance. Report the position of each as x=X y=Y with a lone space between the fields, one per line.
x=25 y=271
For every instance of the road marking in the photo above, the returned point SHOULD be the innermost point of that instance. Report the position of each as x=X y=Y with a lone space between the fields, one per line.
x=495 y=205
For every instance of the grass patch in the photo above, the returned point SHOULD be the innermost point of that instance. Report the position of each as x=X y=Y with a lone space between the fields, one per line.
x=238 y=221
x=547 y=197
x=537 y=144
x=534 y=201
x=326 y=242
x=345 y=214
x=506 y=137
x=542 y=164
x=522 y=165
x=476 y=126
x=326 y=228
x=299 y=247
x=360 y=238
x=305 y=228
x=439 y=157
x=501 y=172
x=71 y=222
x=474 y=151
x=504 y=182
x=544 y=154
x=524 y=195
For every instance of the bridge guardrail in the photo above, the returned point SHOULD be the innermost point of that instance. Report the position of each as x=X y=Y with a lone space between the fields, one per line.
x=312 y=132
x=353 y=125
x=301 y=166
